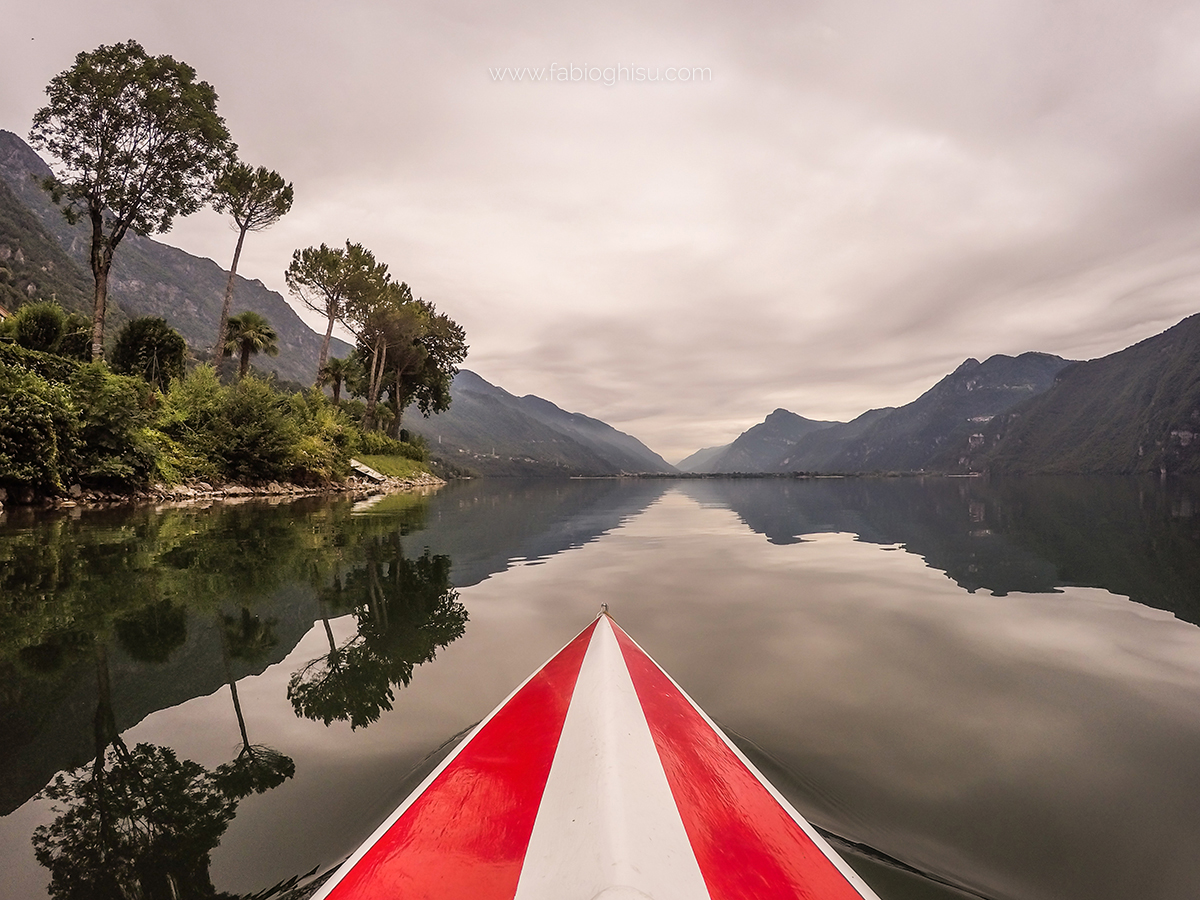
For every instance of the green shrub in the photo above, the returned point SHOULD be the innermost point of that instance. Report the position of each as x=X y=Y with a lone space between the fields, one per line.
x=115 y=415
x=187 y=421
x=38 y=430
x=253 y=437
x=76 y=340
x=322 y=452
x=376 y=443
x=39 y=326
x=51 y=367
x=150 y=348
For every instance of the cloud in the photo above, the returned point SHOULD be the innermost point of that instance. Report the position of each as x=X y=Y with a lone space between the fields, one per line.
x=861 y=197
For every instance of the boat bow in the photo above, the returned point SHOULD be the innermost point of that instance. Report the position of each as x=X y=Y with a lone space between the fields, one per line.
x=597 y=779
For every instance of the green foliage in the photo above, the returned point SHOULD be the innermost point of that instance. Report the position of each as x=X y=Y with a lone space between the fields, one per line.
x=406 y=609
x=39 y=326
x=186 y=420
x=154 y=632
x=150 y=348
x=137 y=823
x=137 y=137
x=50 y=366
x=38 y=429
x=248 y=335
x=376 y=443
x=393 y=466
x=250 y=432
x=322 y=452
x=138 y=140
x=328 y=280
x=76 y=340
x=253 y=436
x=116 y=415
x=255 y=198
x=338 y=371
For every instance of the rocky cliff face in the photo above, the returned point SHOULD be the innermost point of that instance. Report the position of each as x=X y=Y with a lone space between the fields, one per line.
x=919 y=435
x=1137 y=410
x=915 y=437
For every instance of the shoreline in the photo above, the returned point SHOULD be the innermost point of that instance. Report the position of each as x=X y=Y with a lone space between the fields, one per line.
x=77 y=497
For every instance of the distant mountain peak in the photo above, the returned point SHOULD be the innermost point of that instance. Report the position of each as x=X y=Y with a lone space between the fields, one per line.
x=491 y=431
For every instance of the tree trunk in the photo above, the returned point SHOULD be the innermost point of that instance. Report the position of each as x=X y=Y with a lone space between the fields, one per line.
x=245 y=367
x=101 y=262
x=323 y=357
x=223 y=325
x=377 y=365
x=397 y=410
x=232 y=682
x=337 y=391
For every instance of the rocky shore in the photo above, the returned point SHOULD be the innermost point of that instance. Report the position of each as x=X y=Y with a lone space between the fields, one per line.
x=76 y=495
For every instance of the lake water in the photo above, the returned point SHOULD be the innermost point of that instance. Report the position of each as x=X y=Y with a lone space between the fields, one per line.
x=977 y=688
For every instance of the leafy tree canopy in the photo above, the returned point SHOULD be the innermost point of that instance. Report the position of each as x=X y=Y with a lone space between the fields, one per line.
x=257 y=199
x=137 y=138
x=137 y=141
x=326 y=279
x=250 y=334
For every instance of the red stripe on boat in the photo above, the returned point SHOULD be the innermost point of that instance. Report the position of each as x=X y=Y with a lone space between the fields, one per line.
x=747 y=845
x=465 y=836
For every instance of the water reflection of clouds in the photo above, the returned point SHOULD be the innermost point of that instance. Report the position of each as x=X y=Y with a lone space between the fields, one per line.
x=969 y=734
x=1032 y=745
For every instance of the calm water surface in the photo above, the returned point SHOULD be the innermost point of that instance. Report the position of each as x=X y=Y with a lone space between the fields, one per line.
x=978 y=689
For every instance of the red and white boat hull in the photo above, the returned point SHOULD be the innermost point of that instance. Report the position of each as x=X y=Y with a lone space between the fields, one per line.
x=597 y=779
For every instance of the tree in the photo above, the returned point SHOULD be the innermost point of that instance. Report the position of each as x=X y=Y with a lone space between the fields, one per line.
x=250 y=334
x=257 y=199
x=406 y=610
x=151 y=348
x=39 y=326
x=388 y=326
x=412 y=351
x=444 y=345
x=325 y=279
x=138 y=140
x=336 y=372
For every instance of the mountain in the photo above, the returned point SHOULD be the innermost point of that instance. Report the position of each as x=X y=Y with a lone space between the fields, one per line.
x=148 y=278
x=33 y=265
x=762 y=447
x=1137 y=410
x=492 y=432
x=915 y=437
x=700 y=460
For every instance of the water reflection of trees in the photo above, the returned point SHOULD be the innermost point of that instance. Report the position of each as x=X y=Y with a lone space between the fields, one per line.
x=142 y=823
x=405 y=611
x=137 y=587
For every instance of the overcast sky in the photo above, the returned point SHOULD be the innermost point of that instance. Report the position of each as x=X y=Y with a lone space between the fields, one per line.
x=853 y=198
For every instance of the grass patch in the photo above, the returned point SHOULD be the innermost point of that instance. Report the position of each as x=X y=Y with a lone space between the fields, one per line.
x=394 y=466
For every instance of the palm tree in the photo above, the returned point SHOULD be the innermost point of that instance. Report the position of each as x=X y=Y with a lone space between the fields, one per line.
x=336 y=372
x=249 y=334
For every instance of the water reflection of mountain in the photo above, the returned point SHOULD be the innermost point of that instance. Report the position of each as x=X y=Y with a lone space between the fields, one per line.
x=167 y=584
x=484 y=526
x=1138 y=538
